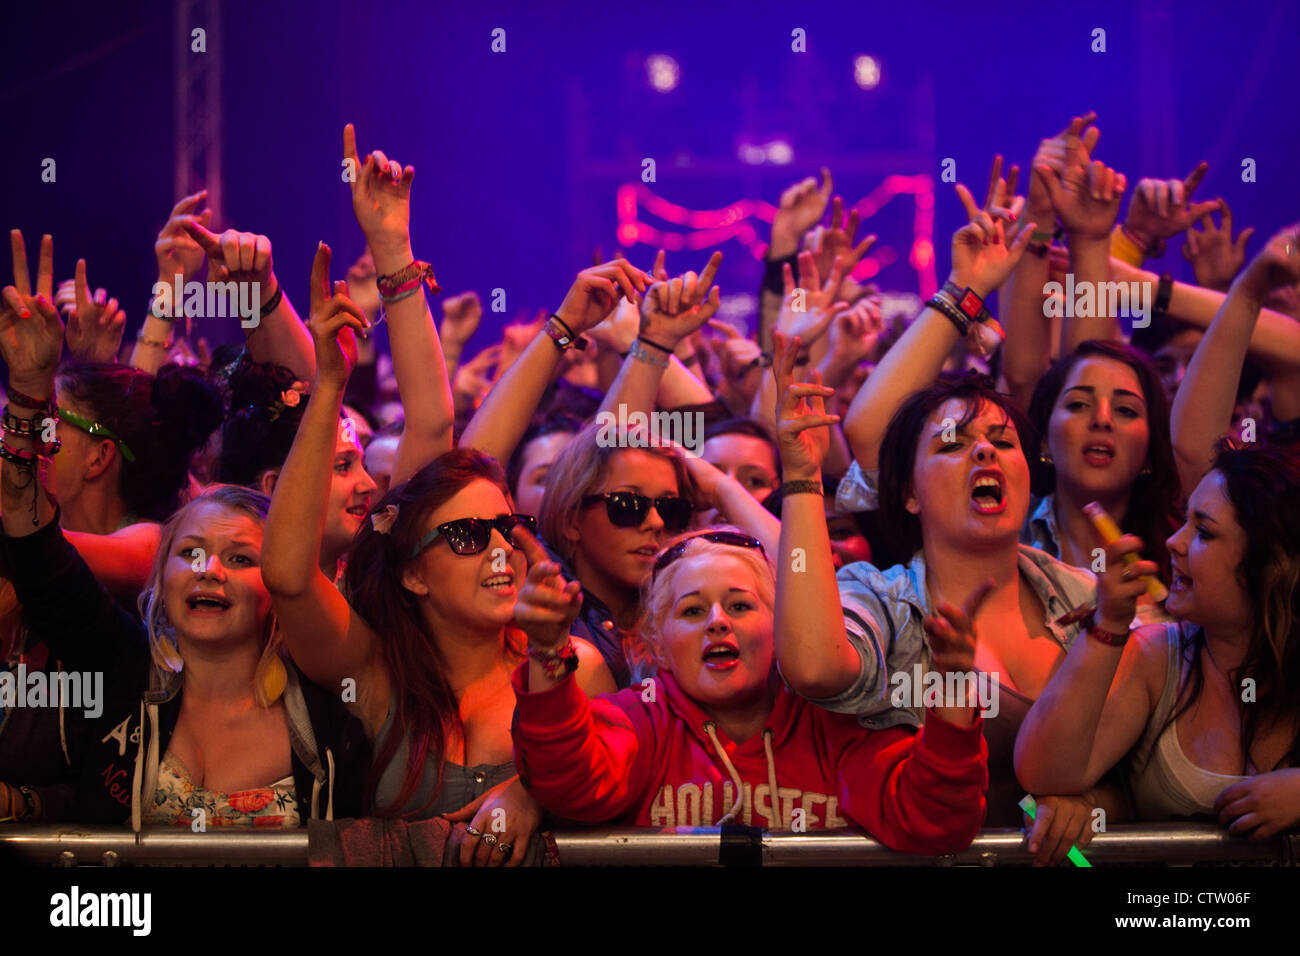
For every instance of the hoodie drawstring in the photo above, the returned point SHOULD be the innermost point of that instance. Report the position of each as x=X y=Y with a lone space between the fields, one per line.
x=730 y=816
x=735 y=777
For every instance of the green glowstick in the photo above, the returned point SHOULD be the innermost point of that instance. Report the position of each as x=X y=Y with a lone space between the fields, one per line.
x=1030 y=806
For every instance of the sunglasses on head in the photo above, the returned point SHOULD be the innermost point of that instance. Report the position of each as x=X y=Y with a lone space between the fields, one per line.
x=471 y=535
x=627 y=509
x=732 y=538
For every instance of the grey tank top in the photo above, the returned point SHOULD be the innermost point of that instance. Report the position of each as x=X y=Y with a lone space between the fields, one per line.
x=460 y=786
x=1164 y=782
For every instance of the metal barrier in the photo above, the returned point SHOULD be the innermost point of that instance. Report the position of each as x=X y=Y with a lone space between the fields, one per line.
x=1176 y=844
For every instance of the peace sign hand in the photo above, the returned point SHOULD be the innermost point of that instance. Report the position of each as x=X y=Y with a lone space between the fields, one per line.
x=31 y=332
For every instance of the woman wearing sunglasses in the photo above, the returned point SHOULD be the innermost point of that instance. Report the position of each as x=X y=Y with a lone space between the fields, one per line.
x=608 y=507
x=715 y=737
x=419 y=641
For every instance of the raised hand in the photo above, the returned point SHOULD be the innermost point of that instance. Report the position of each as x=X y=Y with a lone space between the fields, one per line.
x=828 y=245
x=1120 y=585
x=802 y=207
x=619 y=329
x=808 y=307
x=1276 y=265
x=95 y=323
x=362 y=279
x=1215 y=257
x=802 y=434
x=740 y=357
x=333 y=322
x=1085 y=193
x=461 y=315
x=237 y=256
x=981 y=257
x=31 y=332
x=597 y=290
x=1078 y=135
x=1161 y=208
x=381 y=197
x=855 y=334
x=175 y=249
x=472 y=382
x=548 y=604
x=952 y=635
x=675 y=309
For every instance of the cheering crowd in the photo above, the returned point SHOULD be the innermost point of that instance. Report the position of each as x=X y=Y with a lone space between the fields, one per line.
x=913 y=568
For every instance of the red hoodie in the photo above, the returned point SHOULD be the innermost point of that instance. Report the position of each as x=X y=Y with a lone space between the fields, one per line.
x=623 y=759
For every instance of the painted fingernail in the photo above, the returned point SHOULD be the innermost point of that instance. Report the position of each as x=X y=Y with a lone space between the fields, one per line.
x=25 y=313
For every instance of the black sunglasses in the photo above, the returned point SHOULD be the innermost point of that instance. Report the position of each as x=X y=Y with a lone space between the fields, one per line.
x=627 y=509
x=471 y=535
x=732 y=538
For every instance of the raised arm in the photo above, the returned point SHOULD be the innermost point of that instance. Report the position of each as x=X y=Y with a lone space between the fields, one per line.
x=1097 y=704
x=1028 y=349
x=179 y=259
x=671 y=311
x=812 y=649
x=1202 y=412
x=381 y=200
x=502 y=419
x=327 y=640
x=95 y=323
x=981 y=261
x=1086 y=196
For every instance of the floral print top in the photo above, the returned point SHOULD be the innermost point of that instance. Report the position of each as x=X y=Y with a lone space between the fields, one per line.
x=177 y=798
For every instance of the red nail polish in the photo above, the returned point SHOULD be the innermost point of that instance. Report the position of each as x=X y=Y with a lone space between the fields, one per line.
x=1013 y=216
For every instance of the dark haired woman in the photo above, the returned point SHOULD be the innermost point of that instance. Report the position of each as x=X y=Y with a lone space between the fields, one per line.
x=423 y=638
x=1170 y=701
x=954 y=484
x=1104 y=424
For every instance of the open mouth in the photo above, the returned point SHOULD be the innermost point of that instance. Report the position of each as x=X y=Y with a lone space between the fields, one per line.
x=649 y=551
x=988 y=494
x=359 y=511
x=500 y=582
x=1099 y=455
x=721 y=657
x=207 y=602
x=1181 y=582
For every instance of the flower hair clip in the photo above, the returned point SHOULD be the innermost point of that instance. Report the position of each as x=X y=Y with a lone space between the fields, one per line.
x=382 y=521
x=291 y=397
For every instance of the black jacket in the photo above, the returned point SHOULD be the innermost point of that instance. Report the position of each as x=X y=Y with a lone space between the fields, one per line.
x=66 y=607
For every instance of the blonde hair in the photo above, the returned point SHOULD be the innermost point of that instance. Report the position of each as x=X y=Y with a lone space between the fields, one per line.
x=270 y=677
x=657 y=593
x=580 y=468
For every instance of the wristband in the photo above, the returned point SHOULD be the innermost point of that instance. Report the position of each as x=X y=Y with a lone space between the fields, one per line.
x=1110 y=638
x=1164 y=292
x=802 y=486
x=557 y=663
x=272 y=304
x=562 y=335
x=640 y=352
x=970 y=303
x=26 y=401
x=764 y=360
x=156 y=343
x=774 y=274
x=666 y=351
x=25 y=427
x=407 y=279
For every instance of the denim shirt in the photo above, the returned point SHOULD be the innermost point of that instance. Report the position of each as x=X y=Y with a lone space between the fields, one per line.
x=1040 y=528
x=883 y=611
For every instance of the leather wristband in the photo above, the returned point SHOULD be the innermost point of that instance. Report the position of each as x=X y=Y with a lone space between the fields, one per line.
x=1164 y=292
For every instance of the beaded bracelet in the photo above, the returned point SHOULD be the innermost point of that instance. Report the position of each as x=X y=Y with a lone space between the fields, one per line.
x=26 y=427
x=25 y=456
x=640 y=352
x=156 y=343
x=556 y=663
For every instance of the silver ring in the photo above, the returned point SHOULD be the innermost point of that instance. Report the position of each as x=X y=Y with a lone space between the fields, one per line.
x=489 y=839
x=472 y=832
x=504 y=847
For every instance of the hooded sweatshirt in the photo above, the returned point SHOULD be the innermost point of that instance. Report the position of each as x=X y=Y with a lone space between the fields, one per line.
x=651 y=757
x=64 y=605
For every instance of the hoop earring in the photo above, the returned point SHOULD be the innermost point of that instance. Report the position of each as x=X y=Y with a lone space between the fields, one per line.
x=1046 y=459
x=1146 y=470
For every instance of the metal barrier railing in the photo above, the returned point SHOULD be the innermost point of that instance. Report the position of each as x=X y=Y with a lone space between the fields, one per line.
x=1180 y=844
